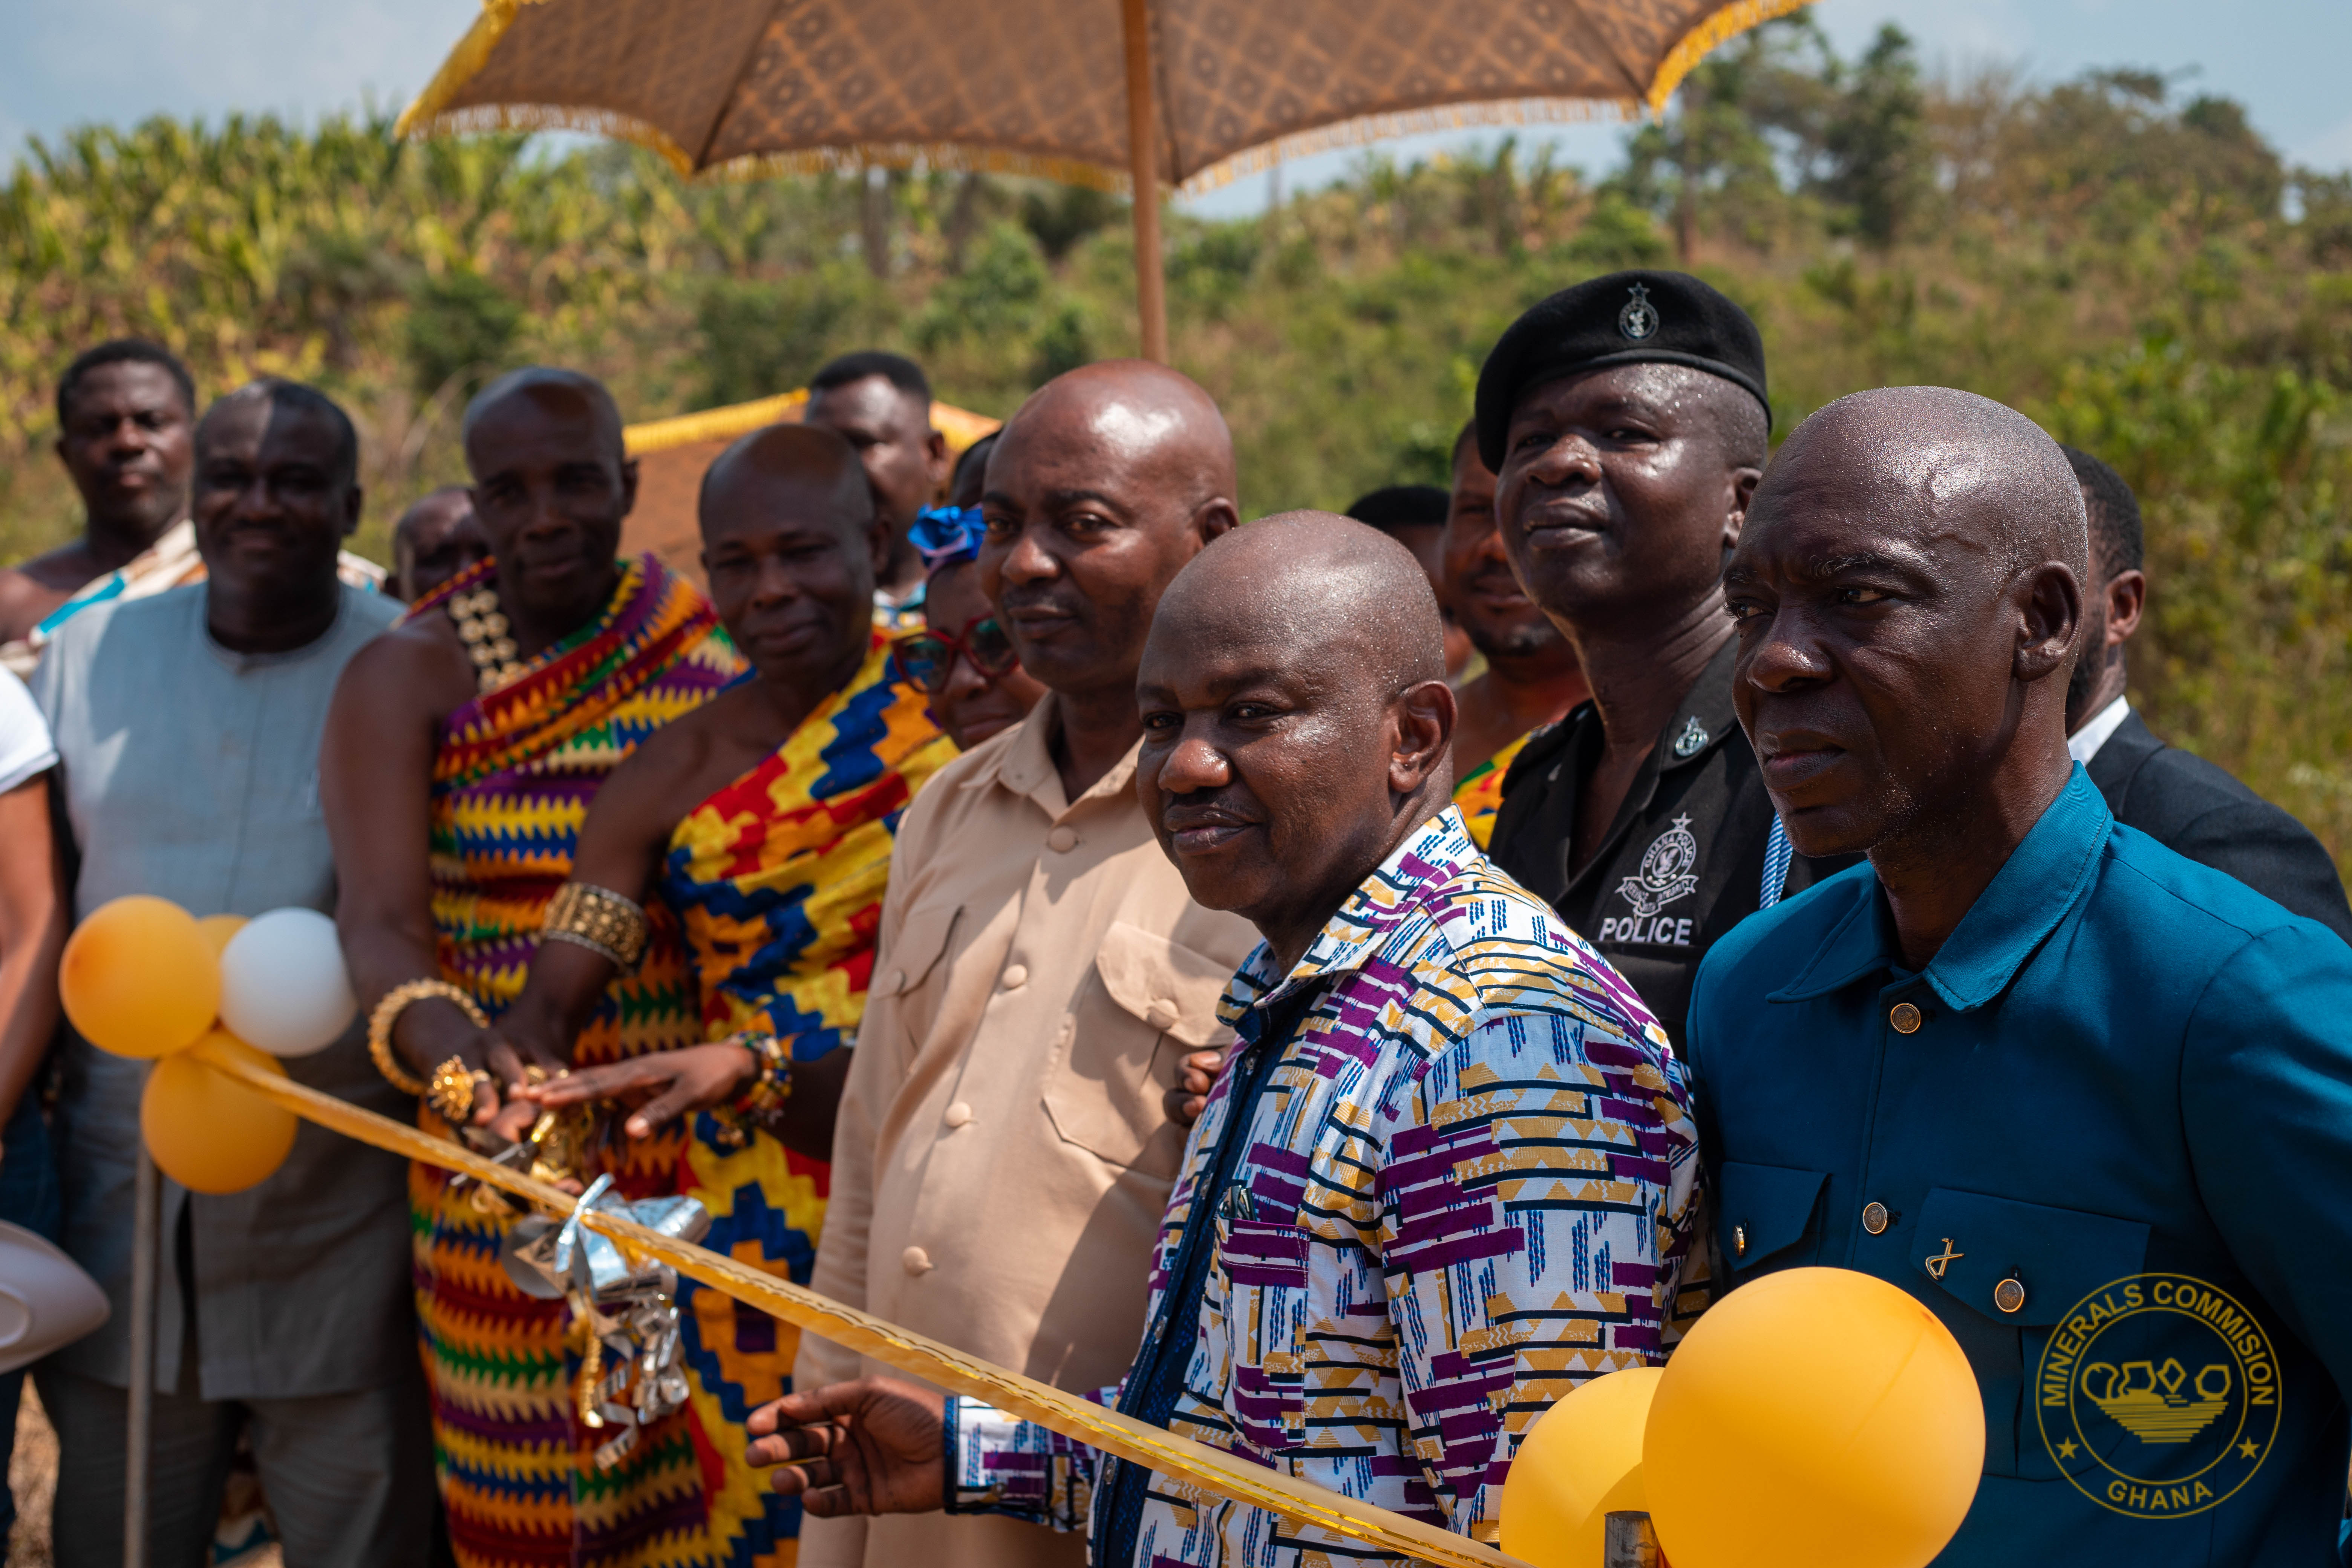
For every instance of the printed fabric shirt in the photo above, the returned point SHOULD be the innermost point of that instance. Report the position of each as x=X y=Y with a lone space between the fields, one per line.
x=1448 y=1175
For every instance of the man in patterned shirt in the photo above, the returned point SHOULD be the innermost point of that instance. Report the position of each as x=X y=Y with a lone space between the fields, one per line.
x=1449 y=1173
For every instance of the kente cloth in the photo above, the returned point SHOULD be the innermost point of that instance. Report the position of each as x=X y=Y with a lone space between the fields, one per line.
x=1479 y=793
x=512 y=779
x=777 y=881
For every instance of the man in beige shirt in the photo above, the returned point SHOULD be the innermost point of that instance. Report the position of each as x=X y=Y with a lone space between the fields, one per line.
x=1004 y=1151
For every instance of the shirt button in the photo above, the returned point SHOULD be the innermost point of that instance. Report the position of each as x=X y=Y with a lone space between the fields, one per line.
x=1062 y=840
x=1161 y=1014
x=2010 y=1295
x=1905 y=1017
x=1873 y=1218
x=893 y=983
x=958 y=1114
x=1017 y=975
x=1739 y=1241
x=915 y=1260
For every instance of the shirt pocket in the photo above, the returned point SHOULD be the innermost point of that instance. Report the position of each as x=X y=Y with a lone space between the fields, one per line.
x=1150 y=1001
x=905 y=972
x=1766 y=1213
x=1263 y=1265
x=2002 y=1275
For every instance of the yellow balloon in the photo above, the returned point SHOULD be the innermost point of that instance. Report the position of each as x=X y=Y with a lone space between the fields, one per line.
x=1579 y=1463
x=139 y=978
x=209 y=1132
x=1813 y=1418
x=218 y=929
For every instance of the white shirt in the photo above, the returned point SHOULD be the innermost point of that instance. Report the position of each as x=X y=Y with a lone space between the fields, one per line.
x=26 y=750
x=2084 y=743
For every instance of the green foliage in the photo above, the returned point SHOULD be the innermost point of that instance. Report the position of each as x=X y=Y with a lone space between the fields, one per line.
x=2146 y=276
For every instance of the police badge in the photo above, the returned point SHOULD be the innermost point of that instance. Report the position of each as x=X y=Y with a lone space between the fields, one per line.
x=1639 y=319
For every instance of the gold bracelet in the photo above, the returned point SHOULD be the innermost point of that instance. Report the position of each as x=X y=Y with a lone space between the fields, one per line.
x=599 y=919
x=763 y=1099
x=387 y=1013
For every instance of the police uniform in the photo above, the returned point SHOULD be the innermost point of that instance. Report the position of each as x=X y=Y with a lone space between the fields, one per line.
x=1688 y=857
x=2106 y=1136
x=1684 y=861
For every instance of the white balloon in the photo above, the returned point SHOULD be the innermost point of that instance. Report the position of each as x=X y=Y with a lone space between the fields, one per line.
x=283 y=985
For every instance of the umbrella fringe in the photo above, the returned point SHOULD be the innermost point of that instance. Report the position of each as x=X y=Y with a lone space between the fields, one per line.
x=1723 y=26
x=421 y=123
x=1367 y=129
x=465 y=62
x=946 y=155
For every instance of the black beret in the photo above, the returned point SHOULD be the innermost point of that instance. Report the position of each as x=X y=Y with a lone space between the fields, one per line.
x=1626 y=318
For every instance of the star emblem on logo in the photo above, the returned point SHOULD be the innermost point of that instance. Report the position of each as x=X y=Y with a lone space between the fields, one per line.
x=1639 y=318
x=2066 y=1450
x=2249 y=1449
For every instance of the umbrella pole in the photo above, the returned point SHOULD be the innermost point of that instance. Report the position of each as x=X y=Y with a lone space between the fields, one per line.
x=146 y=1232
x=1143 y=164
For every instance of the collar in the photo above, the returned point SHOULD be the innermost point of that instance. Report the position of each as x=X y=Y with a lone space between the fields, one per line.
x=1025 y=765
x=2046 y=877
x=1436 y=854
x=1706 y=718
x=2097 y=730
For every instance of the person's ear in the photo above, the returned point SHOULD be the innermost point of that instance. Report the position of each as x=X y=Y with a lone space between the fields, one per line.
x=1743 y=490
x=878 y=545
x=937 y=462
x=1215 y=517
x=628 y=486
x=2127 y=598
x=1423 y=715
x=2049 y=600
x=353 y=500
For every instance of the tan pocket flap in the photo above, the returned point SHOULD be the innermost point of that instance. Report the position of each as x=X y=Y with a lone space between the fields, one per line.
x=1167 y=984
x=908 y=960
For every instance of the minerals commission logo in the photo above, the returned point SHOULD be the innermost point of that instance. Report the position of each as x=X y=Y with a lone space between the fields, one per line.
x=2158 y=1396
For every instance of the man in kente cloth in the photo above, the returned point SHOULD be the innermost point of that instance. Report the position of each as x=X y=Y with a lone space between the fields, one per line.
x=461 y=753
x=763 y=820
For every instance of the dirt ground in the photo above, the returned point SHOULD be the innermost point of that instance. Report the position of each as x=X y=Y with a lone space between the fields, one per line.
x=32 y=1477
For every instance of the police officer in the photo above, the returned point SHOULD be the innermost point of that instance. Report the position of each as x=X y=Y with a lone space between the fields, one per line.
x=1625 y=419
x=2088 y=1100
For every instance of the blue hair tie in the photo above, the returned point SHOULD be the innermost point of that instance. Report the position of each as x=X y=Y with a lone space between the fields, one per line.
x=945 y=535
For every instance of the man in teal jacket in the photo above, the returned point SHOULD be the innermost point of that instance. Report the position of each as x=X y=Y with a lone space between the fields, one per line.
x=2088 y=1100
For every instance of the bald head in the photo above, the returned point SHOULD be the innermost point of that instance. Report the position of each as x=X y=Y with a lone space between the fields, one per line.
x=1101 y=488
x=1325 y=589
x=1139 y=414
x=803 y=466
x=1910 y=592
x=1295 y=718
x=554 y=390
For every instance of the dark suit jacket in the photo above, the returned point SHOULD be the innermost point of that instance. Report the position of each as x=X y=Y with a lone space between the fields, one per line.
x=2193 y=808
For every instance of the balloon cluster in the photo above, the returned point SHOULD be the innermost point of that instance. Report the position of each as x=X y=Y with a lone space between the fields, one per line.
x=1818 y=1417
x=143 y=977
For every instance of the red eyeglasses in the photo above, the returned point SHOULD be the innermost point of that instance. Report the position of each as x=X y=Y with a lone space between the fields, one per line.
x=928 y=657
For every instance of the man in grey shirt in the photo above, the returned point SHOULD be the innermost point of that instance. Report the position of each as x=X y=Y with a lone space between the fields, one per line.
x=188 y=727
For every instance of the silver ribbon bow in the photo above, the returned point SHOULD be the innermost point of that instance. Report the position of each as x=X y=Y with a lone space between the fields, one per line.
x=634 y=1373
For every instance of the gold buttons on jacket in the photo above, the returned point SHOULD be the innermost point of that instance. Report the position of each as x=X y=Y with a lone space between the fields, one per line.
x=958 y=1114
x=1062 y=840
x=1905 y=1017
x=1161 y=1014
x=1873 y=1218
x=915 y=1260
x=2010 y=1295
x=1017 y=975
x=893 y=982
x=1739 y=1241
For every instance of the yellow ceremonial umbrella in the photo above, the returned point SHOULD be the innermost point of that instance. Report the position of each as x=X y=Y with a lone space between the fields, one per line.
x=1120 y=94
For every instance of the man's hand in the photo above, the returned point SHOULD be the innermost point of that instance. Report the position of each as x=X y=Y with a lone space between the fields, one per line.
x=660 y=1086
x=1195 y=1075
x=868 y=1447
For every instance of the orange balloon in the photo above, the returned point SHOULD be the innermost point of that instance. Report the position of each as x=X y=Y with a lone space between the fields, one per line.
x=1813 y=1418
x=218 y=929
x=1579 y=1463
x=139 y=978
x=207 y=1132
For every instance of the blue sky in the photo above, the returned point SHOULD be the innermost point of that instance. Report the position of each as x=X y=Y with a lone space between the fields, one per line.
x=122 y=59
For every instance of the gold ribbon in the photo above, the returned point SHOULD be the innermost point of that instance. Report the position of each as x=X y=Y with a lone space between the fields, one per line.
x=949 y=1368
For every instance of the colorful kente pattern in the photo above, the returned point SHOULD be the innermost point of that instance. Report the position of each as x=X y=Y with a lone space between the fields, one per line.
x=1469 y=1185
x=777 y=880
x=1479 y=794
x=512 y=784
